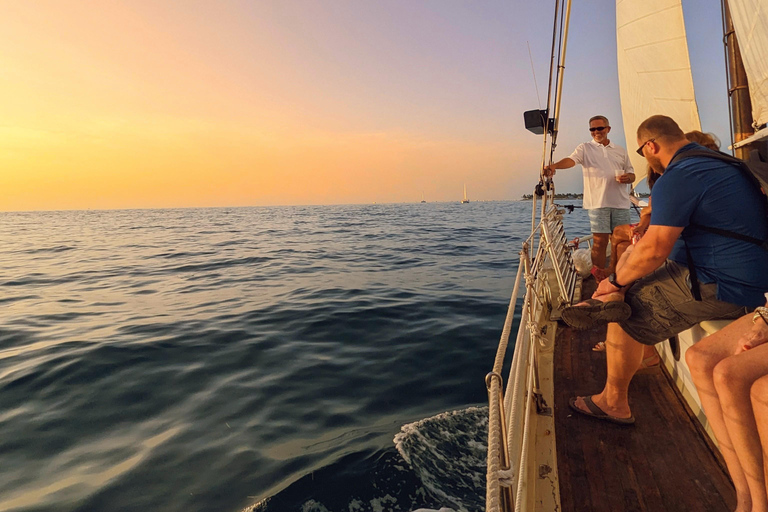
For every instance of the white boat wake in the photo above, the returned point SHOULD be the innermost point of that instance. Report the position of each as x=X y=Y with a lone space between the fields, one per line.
x=448 y=454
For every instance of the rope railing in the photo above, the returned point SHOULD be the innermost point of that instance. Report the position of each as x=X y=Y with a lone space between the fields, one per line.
x=511 y=411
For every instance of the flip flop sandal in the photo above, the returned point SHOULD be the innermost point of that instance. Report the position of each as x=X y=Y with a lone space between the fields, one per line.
x=599 y=347
x=597 y=413
x=595 y=313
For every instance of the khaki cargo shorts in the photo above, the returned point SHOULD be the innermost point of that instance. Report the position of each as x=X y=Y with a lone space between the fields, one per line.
x=663 y=305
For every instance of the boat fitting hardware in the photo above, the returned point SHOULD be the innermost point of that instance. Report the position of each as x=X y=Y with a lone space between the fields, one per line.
x=542 y=409
x=490 y=376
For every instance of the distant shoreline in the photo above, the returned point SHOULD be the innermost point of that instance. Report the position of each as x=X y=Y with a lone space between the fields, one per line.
x=528 y=197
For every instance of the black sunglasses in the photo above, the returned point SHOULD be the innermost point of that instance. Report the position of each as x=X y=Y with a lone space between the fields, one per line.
x=598 y=128
x=640 y=149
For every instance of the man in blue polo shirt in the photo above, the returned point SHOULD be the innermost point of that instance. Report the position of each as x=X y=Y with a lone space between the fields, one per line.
x=654 y=280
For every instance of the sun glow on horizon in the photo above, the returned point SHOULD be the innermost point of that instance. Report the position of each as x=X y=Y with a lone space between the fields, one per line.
x=133 y=105
x=141 y=104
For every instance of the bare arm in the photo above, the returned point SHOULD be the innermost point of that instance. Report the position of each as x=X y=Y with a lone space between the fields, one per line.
x=565 y=163
x=648 y=254
x=645 y=220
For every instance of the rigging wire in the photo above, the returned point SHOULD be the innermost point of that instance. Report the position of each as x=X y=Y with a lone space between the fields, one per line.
x=533 y=72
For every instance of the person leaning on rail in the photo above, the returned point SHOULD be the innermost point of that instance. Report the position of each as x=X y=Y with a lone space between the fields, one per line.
x=650 y=297
x=607 y=172
x=730 y=371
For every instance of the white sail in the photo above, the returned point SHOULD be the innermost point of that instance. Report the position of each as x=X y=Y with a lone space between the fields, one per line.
x=750 y=21
x=654 y=68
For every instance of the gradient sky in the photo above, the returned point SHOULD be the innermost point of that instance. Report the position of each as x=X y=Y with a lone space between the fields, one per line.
x=148 y=104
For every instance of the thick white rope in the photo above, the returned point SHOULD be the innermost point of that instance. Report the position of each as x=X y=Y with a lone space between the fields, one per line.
x=493 y=498
x=519 y=386
x=522 y=495
x=493 y=490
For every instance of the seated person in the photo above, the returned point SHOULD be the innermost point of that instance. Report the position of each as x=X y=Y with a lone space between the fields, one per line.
x=622 y=236
x=653 y=294
x=730 y=370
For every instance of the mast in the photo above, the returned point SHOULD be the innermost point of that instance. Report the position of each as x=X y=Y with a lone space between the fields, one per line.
x=561 y=70
x=738 y=87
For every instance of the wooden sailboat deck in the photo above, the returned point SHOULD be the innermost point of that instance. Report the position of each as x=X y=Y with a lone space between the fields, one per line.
x=662 y=463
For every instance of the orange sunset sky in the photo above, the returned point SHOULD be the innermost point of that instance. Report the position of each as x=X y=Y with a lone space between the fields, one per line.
x=149 y=104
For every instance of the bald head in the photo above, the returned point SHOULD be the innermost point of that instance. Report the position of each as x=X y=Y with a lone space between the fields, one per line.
x=663 y=129
x=658 y=138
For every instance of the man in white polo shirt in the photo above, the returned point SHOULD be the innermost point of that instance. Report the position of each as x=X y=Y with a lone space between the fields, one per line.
x=607 y=172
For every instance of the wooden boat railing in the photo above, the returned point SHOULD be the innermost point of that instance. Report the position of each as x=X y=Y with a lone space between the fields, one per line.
x=551 y=282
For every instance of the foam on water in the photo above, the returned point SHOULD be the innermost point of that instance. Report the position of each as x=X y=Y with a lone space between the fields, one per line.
x=448 y=453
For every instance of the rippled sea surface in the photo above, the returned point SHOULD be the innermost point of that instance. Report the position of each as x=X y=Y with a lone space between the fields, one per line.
x=326 y=358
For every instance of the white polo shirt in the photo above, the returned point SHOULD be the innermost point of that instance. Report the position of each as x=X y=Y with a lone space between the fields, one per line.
x=599 y=163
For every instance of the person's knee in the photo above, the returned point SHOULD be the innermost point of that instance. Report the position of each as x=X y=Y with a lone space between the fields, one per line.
x=701 y=361
x=621 y=233
x=728 y=377
x=758 y=393
x=601 y=240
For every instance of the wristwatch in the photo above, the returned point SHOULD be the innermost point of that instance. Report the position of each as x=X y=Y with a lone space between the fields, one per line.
x=612 y=280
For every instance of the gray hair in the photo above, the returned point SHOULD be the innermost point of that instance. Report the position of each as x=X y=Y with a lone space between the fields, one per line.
x=600 y=118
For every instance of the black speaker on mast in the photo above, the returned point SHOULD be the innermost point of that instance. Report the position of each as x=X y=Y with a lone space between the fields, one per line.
x=537 y=121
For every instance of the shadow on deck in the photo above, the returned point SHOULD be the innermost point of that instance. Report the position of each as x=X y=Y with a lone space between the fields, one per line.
x=662 y=463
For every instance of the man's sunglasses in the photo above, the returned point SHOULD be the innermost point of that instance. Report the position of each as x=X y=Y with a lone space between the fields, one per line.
x=598 y=128
x=640 y=149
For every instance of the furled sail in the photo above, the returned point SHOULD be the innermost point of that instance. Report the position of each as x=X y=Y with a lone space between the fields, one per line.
x=654 y=68
x=750 y=21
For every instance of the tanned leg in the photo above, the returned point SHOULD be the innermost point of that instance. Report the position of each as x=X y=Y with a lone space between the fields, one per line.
x=621 y=239
x=759 y=396
x=734 y=378
x=599 y=246
x=623 y=355
x=703 y=359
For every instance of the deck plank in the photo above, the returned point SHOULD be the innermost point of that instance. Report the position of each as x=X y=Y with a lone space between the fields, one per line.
x=659 y=464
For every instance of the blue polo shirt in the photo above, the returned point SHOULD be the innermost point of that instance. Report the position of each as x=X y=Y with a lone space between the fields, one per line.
x=716 y=194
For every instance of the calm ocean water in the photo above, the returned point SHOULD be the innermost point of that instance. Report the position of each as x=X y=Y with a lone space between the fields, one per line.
x=252 y=358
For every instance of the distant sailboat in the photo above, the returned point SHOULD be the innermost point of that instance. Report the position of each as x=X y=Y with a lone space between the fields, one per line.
x=465 y=200
x=422 y=198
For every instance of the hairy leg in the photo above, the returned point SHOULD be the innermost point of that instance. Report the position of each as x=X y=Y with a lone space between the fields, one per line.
x=623 y=356
x=599 y=246
x=621 y=239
